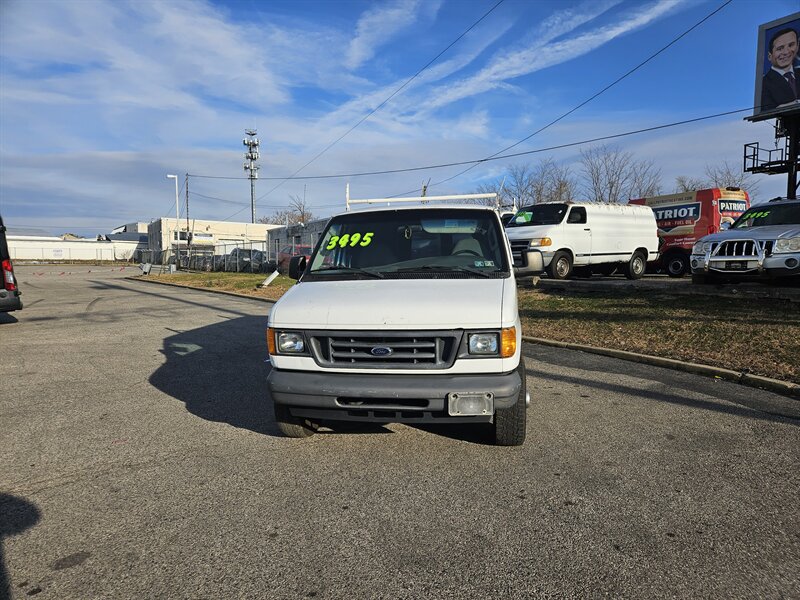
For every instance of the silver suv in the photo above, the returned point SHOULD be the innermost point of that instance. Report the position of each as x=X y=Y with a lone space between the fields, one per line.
x=762 y=245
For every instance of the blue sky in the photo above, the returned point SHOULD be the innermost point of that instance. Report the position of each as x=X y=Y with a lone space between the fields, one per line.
x=99 y=100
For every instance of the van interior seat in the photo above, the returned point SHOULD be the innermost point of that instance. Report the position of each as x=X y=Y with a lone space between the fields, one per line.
x=469 y=246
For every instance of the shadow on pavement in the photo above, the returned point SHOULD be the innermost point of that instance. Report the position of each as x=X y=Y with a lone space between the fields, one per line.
x=734 y=401
x=16 y=515
x=220 y=373
x=8 y=318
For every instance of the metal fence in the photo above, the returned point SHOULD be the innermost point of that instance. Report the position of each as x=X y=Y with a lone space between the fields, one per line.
x=239 y=257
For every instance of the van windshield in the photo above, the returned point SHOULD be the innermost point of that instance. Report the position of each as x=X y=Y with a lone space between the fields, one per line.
x=539 y=214
x=769 y=214
x=428 y=243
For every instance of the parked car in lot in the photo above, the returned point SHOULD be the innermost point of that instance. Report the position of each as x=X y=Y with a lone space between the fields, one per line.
x=287 y=252
x=559 y=238
x=9 y=288
x=246 y=260
x=762 y=245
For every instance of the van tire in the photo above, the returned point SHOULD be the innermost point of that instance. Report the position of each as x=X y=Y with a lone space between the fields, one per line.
x=676 y=264
x=561 y=265
x=510 y=423
x=291 y=426
x=636 y=266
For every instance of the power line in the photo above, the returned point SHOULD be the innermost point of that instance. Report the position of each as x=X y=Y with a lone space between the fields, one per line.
x=527 y=152
x=585 y=102
x=393 y=94
x=495 y=156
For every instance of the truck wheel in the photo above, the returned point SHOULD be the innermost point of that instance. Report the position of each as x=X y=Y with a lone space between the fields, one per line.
x=677 y=265
x=561 y=265
x=636 y=266
x=291 y=426
x=510 y=423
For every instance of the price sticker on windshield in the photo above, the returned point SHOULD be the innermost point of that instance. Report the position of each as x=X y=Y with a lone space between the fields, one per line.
x=758 y=215
x=350 y=239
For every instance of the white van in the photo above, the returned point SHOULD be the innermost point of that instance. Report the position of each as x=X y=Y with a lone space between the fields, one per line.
x=557 y=237
x=404 y=314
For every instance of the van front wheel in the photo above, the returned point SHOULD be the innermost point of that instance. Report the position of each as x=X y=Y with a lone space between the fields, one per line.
x=510 y=423
x=291 y=426
x=561 y=265
x=636 y=266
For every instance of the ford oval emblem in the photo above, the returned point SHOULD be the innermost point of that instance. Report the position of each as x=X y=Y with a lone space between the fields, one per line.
x=381 y=351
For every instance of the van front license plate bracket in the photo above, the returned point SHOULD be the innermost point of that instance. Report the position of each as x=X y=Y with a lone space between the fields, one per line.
x=470 y=404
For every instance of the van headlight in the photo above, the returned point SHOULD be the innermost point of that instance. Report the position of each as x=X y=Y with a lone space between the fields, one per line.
x=539 y=242
x=291 y=342
x=788 y=245
x=483 y=343
x=701 y=247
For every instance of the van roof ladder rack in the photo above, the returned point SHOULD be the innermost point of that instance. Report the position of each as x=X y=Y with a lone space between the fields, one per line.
x=422 y=199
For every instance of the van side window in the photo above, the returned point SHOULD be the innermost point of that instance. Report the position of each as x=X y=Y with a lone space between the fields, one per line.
x=577 y=215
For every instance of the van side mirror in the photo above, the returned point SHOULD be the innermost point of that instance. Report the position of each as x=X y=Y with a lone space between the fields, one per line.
x=297 y=264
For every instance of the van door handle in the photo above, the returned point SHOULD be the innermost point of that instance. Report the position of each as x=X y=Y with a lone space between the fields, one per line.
x=587 y=229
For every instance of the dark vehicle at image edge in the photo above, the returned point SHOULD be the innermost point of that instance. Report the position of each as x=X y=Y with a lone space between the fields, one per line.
x=763 y=244
x=9 y=289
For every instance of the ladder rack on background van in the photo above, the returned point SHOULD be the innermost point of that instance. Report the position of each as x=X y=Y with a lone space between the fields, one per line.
x=456 y=197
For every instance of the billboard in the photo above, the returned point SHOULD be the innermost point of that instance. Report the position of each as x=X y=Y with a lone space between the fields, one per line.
x=777 y=89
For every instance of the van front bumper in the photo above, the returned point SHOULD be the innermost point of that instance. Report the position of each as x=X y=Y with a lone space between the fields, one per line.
x=387 y=398
x=531 y=262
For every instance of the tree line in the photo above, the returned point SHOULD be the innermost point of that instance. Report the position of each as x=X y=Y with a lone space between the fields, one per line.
x=606 y=174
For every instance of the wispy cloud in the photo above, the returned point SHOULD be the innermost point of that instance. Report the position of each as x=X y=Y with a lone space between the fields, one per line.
x=547 y=50
x=378 y=25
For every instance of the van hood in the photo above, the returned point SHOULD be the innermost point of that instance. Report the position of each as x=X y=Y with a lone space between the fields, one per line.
x=527 y=232
x=392 y=304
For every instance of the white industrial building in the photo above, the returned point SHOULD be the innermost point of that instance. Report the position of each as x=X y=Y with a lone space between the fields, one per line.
x=163 y=234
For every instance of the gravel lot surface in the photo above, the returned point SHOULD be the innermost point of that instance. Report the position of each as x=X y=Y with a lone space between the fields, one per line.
x=139 y=458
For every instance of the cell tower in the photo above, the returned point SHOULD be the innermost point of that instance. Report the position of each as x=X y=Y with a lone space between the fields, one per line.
x=251 y=156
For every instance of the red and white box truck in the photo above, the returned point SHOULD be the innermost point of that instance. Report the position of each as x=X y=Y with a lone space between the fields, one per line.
x=684 y=218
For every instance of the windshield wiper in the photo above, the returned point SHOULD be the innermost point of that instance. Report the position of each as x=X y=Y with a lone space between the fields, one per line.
x=446 y=268
x=369 y=272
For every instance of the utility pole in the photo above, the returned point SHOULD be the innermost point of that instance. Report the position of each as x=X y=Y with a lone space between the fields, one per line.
x=177 y=223
x=188 y=234
x=251 y=156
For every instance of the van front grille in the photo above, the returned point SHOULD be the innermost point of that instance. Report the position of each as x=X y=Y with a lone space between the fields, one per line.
x=363 y=350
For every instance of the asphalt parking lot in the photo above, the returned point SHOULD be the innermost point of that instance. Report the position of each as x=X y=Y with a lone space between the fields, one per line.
x=140 y=459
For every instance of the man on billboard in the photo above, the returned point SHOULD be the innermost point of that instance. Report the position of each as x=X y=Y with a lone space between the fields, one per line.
x=781 y=83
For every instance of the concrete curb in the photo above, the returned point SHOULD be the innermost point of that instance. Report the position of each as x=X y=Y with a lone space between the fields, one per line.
x=202 y=289
x=773 y=385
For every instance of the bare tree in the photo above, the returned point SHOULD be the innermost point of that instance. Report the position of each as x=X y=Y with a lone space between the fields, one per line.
x=684 y=183
x=612 y=175
x=725 y=174
x=297 y=212
x=561 y=185
x=494 y=187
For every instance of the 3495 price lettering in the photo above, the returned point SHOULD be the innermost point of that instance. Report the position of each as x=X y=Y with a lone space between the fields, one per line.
x=350 y=239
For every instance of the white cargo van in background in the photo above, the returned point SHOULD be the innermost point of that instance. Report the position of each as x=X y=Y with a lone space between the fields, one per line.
x=559 y=237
